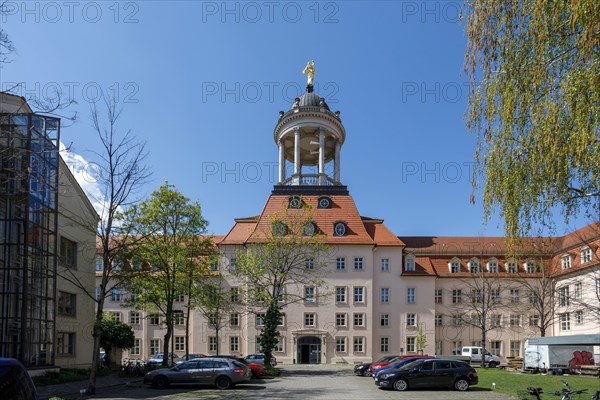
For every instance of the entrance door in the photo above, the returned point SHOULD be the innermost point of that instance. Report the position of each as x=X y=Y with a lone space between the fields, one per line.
x=309 y=350
x=315 y=354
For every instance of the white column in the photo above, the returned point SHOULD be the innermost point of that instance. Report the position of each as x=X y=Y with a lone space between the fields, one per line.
x=281 y=162
x=336 y=168
x=297 y=166
x=321 y=157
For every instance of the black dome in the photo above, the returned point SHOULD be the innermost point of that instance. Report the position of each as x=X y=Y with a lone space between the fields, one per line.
x=310 y=100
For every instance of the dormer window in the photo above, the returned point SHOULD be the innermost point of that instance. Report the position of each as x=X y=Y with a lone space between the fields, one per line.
x=586 y=255
x=310 y=229
x=474 y=265
x=565 y=261
x=295 y=202
x=339 y=228
x=279 y=228
x=324 y=202
x=511 y=266
x=530 y=267
x=454 y=265
x=409 y=263
x=492 y=265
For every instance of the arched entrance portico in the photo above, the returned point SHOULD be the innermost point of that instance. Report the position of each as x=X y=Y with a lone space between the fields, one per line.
x=310 y=346
x=308 y=350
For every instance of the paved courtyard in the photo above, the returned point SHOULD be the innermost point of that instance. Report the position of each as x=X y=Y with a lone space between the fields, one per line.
x=304 y=382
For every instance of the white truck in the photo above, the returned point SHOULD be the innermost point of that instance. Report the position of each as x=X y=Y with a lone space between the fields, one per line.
x=476 y=354
x=551 y=355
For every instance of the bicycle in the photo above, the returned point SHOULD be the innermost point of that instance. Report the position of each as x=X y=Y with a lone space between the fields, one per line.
x=568 y=391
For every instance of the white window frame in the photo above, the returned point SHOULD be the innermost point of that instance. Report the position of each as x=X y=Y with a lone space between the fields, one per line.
x=439 y=296
x=358 y=344
x=340 y=344
x=234 y=344
x=409 y=263
x=359 y=297
x=385 y=265
x=564 y=322
x=358 y=320
x=358 y=263
x=565 y=261
x=310 y=319
x=384 y=320
x=411 y=344
x=340 y=264
x=341 y=294
x=586 y=255
x=411 y=295
x=384 y=344
x=341 y=319
x=385 y=295
x=454 y=265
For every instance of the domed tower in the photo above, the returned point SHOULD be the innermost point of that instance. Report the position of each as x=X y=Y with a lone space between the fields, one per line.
x=309 y=134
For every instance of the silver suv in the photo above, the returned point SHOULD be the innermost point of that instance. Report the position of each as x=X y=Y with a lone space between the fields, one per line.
x=220 y=372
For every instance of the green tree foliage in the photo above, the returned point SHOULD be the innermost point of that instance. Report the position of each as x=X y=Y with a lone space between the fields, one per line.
x=169 y=225
x=212 y=296
x=269 y=337
x=534 y=69
x=195 y=278
x=115 y=334
x=277 y=269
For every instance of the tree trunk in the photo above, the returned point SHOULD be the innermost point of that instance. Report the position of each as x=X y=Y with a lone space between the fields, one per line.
x=167 y=338
x=217 y=329
x=483 y=342
x=91 y=389
x=187 y=328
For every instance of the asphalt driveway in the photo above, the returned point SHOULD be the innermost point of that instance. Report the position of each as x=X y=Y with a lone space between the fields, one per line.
x=303 y=382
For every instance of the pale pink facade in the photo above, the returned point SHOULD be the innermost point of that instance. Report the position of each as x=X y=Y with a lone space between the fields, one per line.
x=396 y=289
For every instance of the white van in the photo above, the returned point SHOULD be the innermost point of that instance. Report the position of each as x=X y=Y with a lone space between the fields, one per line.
x=476 y=352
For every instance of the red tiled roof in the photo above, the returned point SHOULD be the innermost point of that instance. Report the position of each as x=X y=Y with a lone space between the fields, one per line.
x=423 y=266
x=360 y=230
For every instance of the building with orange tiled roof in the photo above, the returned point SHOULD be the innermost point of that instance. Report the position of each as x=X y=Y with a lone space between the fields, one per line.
x=388 y=290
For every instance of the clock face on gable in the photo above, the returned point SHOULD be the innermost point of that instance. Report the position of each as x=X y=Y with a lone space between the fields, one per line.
x=339 y=229
x=324 y=202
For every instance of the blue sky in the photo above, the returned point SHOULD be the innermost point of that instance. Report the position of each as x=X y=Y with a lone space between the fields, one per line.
x=202 y=83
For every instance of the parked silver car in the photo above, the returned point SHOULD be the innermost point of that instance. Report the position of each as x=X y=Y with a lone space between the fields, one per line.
x=221 y=372
x=157 y=359
x=188 y=357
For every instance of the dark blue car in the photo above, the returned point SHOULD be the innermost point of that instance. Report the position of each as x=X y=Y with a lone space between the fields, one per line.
x=15 y=382
x=400 y=363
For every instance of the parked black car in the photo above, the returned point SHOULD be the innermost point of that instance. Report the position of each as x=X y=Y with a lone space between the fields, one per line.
x=429 y=373
x=15 y=382
x=362 y=369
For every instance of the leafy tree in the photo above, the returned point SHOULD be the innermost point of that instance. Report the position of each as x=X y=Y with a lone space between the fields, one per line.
x=195 y=276
x=215 y=300
x=421 y=339
x=534 y=71
x=115 y=334
x=168 y=223
x=279 y=266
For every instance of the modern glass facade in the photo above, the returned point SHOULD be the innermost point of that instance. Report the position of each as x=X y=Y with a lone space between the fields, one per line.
x=28 y=240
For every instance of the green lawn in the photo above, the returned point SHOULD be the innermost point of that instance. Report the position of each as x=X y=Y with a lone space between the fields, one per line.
x=514 y=383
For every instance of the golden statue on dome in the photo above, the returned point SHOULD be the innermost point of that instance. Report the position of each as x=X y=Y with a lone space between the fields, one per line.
x=309 y=71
